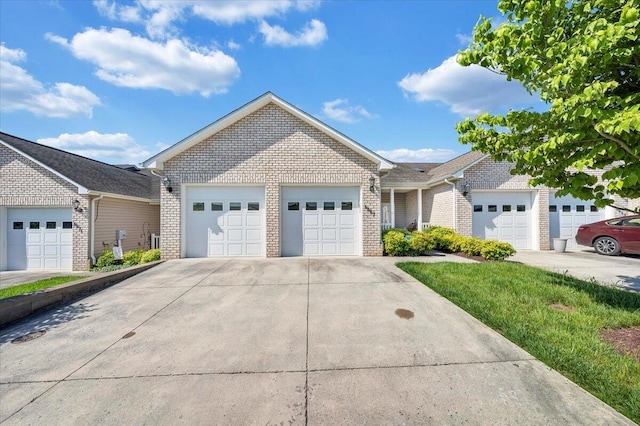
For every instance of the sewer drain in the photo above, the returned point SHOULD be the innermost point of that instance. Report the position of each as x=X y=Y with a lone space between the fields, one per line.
x=129 y=334
x=29 y=336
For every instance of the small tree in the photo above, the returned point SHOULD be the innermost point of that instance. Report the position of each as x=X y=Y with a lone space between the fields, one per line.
x=583 y=59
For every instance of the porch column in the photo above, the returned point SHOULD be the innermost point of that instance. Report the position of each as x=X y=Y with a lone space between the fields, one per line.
x=392 y=200
x=419 y=209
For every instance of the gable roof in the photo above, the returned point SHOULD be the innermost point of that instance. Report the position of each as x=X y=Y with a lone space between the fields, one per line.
x=157 y=161
x=86 y=174
x=430 y=174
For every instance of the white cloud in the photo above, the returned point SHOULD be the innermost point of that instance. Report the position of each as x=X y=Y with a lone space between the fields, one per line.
x=340 y=110
x=464 y=39
x=313 y=34
x=466 y=90
x=127 y=60
x=112 y=148
x=232 y=45
x=159 y=15
x=22 y=92
x=425 y=155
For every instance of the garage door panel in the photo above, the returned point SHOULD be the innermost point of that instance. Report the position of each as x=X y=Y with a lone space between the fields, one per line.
x=34 y=251
x=51 y=250
x=503 y=216
x=566 y=214
x=34 y=237
x=232 y=223
x=326 y=222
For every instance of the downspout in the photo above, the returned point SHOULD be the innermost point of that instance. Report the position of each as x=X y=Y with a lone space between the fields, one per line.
x=92 y=229
x=455 y=204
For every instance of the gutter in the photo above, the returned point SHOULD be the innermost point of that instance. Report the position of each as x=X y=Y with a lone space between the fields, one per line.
x=92 y=231
x=455 y=203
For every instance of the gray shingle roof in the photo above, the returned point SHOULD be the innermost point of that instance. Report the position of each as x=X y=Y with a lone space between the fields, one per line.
x=91 y=174
x=429 y=172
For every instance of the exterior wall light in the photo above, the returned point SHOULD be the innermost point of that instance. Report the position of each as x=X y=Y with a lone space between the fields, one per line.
x=76 y=206
x=372 y=184
x=466 y=189
x=167 y=183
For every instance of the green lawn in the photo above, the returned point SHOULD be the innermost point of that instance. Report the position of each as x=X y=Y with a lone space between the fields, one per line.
x=514 y=299
x=37 y=285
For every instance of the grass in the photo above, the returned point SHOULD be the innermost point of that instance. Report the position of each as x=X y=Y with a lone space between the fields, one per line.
x=37 y=285
x=514 y=300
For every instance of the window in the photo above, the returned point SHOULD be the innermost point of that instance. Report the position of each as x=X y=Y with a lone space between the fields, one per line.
x=51 y=225
x=566 y=209
x=293 y=206
x=198 y=207
x=34 y=225
x=593 y=208
x=217 y=207
x=235 y=206
x=347 y=205
x=329 y=205
x=477 y=208
x=66 y=225
x=553 y=209
x=579 y=208
x=521 y=208
x=492 y=208
x=18 y=225
x=312 y=205
x=253 y=206
x=506 y=207
x=631 y=222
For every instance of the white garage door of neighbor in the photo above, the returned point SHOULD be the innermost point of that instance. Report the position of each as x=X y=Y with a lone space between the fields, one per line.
x=503 y=216
x=320 y=221
x=225 y=221
x=39 y=239
x=566 y=214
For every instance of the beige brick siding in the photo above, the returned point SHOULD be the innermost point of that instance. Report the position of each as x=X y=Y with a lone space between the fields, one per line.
x=140 y=219
x=437 y=204
x=26 y=184
x=273 y=148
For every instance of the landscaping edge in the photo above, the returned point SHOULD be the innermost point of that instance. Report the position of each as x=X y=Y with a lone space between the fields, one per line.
x=18 y=307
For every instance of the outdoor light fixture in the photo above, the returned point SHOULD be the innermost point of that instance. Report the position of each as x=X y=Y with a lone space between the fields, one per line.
x=372 y=184
x=167 y=183
x=76 y=205
x=466 y=189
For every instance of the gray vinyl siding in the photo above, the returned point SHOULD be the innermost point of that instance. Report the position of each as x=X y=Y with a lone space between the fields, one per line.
x=139 y=219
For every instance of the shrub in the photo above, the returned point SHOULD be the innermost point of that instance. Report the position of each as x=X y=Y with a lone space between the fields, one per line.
x=386 y=231
x=105 y=259
x=442 y=237
x=150 y=256
x=421 y=243
x=395 y=243
x=471 y=246
x=496 y=250
x=132 y=257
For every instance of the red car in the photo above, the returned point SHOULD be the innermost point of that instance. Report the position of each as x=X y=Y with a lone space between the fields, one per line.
x=612 y=236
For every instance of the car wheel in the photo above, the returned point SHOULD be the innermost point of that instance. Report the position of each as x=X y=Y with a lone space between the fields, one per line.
x=607 y=246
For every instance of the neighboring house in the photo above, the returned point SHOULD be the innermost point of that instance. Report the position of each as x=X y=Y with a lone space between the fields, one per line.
x=477 y=196
x=269 y=180
x=58 y=210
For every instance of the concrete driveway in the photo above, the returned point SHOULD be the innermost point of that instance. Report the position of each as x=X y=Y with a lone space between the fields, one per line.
x=618 y=271
x=277 y=341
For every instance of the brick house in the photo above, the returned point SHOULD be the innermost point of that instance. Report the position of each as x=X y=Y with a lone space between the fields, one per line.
x=58 y=210
x=480 y=197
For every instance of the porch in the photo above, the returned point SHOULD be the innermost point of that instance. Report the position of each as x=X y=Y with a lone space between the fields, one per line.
x=402 y=207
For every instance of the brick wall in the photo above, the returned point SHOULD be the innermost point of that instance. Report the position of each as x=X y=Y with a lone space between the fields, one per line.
x=273 y=148
x=26 y=184
x=437 y=205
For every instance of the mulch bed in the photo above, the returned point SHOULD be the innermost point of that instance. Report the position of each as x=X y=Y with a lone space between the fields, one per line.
x=626 y=341
x=476 y=258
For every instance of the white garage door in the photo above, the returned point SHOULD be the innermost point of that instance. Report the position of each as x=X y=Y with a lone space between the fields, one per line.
x=225 y=221
x=39 y=239
x=566 y=214
x=503 y=216
x=320 y=221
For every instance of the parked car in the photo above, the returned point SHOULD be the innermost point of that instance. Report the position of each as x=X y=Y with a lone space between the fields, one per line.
x=612 y=236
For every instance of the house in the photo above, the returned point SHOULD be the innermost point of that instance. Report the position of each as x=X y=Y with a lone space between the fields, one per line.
x=269 y=180
x=59 y=210
x=480 y=197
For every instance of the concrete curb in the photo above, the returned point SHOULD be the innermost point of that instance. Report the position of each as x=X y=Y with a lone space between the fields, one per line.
x=17 y=307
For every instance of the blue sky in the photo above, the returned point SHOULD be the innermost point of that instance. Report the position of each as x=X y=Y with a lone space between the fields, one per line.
x=119 y=81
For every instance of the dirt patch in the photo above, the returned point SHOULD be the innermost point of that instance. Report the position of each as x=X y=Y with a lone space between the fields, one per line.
x=476 y=258
x=626 y=341
x=404 y=313
x=561 y=307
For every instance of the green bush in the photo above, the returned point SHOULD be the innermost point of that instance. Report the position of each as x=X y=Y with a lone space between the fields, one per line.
x=496 y=250
x=106 y=259
x=132 y=257
x=471 y=246
x=441 y=236
x=396 y=243
x=386 y=231
x=421 y=243
x=150 y=256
